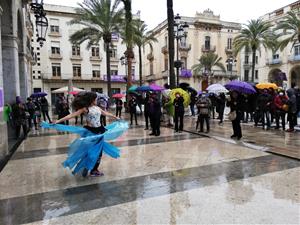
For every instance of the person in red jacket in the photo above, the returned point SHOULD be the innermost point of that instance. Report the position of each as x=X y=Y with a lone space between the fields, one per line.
x=280 y=103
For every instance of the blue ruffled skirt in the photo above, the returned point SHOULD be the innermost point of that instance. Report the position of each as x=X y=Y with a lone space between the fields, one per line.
x=84 y=152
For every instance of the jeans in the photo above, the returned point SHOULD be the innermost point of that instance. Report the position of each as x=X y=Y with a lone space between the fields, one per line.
x=119 y=111
x=147 y=118
x=280 y=115
x=192 y=106
x=131 y=117
x=46 y=115
x=265 y=116
x=18 y=130
x=292 y=118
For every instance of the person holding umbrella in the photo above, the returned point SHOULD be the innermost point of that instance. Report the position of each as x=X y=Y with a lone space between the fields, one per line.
x=235 y=115
x=179 y=112
x=119 y=107
x=146 y=110
x=155 y=114
x=132 y=109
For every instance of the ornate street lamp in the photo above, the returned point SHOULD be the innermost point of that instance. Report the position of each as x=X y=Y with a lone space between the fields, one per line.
x=180 y=34
x=230 y=62
x=41 y=20
x=41 y=28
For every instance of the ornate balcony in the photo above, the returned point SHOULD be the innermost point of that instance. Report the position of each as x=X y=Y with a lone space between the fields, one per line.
x=207 y=49
x=185 y=47
x=96 y=58
x=294 y=59
x=76 y=57
x=272 y=62
x=228 y=50
x=220 y=73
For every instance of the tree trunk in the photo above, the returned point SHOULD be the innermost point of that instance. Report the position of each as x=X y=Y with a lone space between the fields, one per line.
x=108 y=70
x=171 y=42
x=140 y=65
x=253 y=64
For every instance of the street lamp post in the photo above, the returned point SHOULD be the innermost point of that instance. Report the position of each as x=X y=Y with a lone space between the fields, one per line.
x=230 y=62
x=180 y=34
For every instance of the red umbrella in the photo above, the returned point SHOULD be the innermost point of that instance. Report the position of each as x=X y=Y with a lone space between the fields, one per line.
x=118 y=95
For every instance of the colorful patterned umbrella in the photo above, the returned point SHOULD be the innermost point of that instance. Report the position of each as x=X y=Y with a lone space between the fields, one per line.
x=216 y=89
x=240 y=86
x=183 y=93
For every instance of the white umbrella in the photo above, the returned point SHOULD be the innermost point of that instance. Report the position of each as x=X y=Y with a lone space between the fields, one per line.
x=216 y=89
x=166 y=92
x=66 y=89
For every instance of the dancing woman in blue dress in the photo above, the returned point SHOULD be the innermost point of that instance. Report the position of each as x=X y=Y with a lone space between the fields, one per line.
x=85 y=153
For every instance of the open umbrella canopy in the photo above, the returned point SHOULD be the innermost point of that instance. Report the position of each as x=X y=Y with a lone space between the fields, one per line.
x=65 y=89
x=216 y=89
x=266 y=86
x=166 y=92
x=184 y=85
x=118 y=95
x=101 y=95
x=132 y=88
x=240 y=86
x=155 y=87
x=143 y=88
x=183 y=93
x=38 y=94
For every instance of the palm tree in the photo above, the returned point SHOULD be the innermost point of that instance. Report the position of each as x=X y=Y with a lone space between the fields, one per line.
x=128 y=39
x=141 y=39
x=170 y=14
x=255 y=34
x=290 y=26
x=207 y=62
x=101 y=18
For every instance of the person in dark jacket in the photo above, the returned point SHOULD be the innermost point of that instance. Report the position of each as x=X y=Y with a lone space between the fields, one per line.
x=19 y=117
x=193 y=102
x=155 y=114
x=179 y=112
x=45 y=109
x=132 y=109
x=119 y=107
x=264 y=102
x=221 y=101
x=146 y=110
x=30 y=108
x=292 y=110
x=203 y=105
x=234 y=103
x=297 y=93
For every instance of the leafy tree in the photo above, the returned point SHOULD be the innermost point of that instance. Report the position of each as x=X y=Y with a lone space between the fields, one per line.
x=290 y=27
x=100 y=18
x=253 y=35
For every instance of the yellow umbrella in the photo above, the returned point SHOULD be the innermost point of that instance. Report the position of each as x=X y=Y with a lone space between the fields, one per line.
x=266 y=86
x=183 y=93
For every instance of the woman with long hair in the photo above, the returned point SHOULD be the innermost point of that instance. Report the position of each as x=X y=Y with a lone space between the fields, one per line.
x=85 y=153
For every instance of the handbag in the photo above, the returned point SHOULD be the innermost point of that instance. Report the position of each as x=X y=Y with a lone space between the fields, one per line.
x=232 y=115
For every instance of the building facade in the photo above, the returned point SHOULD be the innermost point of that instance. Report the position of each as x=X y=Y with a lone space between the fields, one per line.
x=206 y=33
x=15 y=60
x=281 y=67
x=59 y=63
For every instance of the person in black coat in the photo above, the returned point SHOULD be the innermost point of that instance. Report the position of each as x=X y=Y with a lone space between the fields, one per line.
x=45 y=109
x=179 y=112
x=132 y=109
x=235 y=105
x=264 y=101
x=155 y=114
x=119 y=107
x=221 y=101
x=146 y=110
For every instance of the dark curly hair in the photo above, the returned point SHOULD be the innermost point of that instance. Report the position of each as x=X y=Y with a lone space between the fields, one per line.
x=84 y=100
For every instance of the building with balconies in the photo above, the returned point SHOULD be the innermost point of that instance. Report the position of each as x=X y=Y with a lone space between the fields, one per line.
x=206 y=33
x=281 y=67
x=60 y=62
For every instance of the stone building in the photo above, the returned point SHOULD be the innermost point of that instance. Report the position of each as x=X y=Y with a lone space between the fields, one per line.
x=206 y=33
x=60 y=63
x=15 y=59
x=281 y=67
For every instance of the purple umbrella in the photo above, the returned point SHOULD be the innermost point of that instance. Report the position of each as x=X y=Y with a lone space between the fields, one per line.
x=240 y=86
x=38 y=94
x=155 y=87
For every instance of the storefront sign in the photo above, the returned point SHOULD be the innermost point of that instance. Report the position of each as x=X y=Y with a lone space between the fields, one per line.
x=1 y=100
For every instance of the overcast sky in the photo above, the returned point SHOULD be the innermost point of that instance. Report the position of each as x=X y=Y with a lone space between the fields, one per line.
x=154 y=12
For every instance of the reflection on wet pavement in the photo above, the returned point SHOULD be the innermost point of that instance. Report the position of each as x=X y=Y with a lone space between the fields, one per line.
x=174 y=179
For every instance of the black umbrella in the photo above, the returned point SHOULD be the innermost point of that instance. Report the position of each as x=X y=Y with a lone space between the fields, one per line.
x=184 y=86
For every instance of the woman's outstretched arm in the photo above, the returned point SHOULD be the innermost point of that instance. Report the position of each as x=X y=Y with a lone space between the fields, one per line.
x=72 y=115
